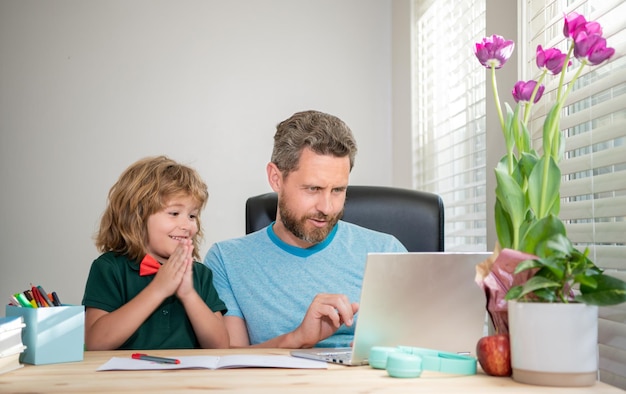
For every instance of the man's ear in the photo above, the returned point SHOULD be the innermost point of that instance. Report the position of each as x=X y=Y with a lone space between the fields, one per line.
x=274 y=177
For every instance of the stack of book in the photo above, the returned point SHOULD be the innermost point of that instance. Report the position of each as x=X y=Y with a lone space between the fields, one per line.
x=11 y=345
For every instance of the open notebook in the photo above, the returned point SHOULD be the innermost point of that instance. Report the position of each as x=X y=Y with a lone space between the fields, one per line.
x=427 y=300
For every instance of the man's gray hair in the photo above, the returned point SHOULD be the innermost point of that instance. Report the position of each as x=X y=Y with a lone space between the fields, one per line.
x=324 y=134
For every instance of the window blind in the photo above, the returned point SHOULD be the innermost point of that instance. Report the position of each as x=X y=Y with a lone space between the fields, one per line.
x=449 y=116
x=593 y=123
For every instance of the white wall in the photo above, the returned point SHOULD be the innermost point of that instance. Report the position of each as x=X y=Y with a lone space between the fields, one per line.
x=88 y=87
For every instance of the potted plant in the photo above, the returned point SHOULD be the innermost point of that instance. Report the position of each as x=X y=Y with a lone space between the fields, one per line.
x=538 y=267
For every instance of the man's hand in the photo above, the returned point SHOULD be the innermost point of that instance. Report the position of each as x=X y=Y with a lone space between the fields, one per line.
x=325 y=315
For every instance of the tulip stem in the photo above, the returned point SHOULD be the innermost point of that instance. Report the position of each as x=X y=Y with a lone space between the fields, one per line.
x=494 y=85
x=528 y=108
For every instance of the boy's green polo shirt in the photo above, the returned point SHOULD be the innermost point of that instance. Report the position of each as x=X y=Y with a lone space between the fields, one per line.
x=114 y=280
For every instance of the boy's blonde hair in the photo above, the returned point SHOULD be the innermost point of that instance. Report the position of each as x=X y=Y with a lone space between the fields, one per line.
x=142 y=190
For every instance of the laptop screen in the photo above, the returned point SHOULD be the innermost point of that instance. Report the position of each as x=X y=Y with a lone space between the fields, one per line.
x=427 y=300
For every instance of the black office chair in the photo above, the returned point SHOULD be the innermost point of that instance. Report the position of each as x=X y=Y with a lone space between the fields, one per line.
x=414 y=217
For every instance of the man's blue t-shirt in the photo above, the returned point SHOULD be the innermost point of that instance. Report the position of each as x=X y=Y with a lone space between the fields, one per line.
x=271 y=284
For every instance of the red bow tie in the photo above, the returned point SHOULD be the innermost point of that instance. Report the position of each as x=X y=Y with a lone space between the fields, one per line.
x=148 y=266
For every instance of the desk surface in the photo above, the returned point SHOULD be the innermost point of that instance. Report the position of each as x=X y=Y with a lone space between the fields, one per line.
x=81 y=377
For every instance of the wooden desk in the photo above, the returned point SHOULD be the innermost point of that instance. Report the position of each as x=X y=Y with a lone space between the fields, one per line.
x=81 y=377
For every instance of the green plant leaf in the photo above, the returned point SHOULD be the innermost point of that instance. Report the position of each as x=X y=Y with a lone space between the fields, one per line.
x=509 y=139
x=540 y=231
x=586 y=280
x=546 y=295
x=504 y=228
x=591 y=270
x=527 y=162
x=553 y=268
x=543 y=188
x=537 y=283
x=513 y=293
x=550 y=129
x=515 y=127
x=582 y=267
x=555 y=244
x=524 y=140
x=511 y=196
x=608 y=291
x=526 y=265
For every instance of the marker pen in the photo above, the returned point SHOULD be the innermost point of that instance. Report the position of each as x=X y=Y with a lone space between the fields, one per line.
x=163 y=360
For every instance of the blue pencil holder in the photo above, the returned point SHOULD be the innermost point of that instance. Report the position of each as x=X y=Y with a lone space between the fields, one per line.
x=52 y=335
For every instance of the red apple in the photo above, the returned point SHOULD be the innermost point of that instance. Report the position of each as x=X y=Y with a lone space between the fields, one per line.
x=494 y=354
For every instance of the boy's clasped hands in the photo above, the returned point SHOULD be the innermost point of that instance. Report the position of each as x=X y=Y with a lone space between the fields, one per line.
x=176 y=275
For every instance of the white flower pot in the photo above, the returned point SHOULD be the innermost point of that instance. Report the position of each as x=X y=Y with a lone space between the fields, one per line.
x=554 y=344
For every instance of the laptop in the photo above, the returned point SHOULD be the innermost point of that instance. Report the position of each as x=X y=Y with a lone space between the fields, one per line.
x=426 y=300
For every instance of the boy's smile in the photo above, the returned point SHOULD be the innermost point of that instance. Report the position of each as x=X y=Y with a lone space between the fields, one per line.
x=177 y=221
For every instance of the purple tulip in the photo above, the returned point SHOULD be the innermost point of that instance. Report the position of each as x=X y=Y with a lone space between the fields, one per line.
x=573 y=22
x=576 y=23
x=551 y=59
x=592 y=47
x=494 y=51
x=523 y=90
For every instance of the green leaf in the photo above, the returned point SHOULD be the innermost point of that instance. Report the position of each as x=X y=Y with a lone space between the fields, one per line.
x=592 y=270
x=509 y=139
x=608 y=291
x=553 y=268
x=526 y=265
x=537 y=283
x=515 y=127
x=511 y=196
x=540 y=231
x=556 y=243
x=586 y=280
x=546 y=295
x=543 y=188
x=512 y=201
x=524 y=141
x=504 y=228
x=560 y=152
x=513 y=293
x=556 y=206
x=581 y=266
x=550 y=129
x=527 y=162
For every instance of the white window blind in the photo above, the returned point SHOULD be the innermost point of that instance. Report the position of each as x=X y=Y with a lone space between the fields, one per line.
x=593 y=186
x=449 y=116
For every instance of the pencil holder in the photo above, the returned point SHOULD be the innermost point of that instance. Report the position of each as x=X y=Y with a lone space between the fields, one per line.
x=53 y=334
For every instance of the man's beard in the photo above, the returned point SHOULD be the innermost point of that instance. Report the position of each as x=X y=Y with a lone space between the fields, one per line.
x=297 y=226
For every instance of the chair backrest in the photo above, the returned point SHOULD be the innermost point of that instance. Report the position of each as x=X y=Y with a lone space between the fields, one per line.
x=416 y=218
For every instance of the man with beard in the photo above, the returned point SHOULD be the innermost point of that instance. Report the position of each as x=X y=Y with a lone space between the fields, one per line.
x=294 y=283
